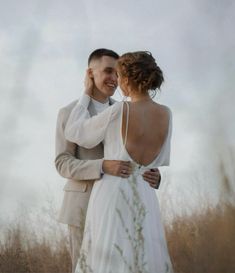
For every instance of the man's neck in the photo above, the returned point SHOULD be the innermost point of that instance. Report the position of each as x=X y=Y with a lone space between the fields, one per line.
x=100 y=97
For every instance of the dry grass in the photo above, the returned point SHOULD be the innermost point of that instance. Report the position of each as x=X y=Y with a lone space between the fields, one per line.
x=20 y=252
x=201 y=243
x=204 y=242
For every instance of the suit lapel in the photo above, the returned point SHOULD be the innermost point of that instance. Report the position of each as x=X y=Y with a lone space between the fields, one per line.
x=111 y=101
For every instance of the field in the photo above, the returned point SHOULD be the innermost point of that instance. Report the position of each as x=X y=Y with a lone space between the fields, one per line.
x=202 y=242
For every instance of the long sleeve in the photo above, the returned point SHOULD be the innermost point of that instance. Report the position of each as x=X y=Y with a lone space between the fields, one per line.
x=66 y=162
x=88 y=131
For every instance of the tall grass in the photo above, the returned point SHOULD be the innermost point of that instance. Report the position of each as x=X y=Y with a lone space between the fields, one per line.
x=203 y=242
x=24 y=252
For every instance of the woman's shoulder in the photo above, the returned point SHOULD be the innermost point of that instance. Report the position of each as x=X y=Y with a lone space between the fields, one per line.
x=164 y=109
x=167 y=109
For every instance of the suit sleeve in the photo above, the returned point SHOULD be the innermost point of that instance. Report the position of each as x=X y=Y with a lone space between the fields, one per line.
x=88 y=131
x=66 y=162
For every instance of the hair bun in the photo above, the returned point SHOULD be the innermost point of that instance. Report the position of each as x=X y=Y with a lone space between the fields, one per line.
x=142 y=70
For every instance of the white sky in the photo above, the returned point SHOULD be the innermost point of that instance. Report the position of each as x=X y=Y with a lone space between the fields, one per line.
x=44 y=47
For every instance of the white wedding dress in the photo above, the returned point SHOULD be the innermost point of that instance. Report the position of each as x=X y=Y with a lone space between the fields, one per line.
x=123 y=229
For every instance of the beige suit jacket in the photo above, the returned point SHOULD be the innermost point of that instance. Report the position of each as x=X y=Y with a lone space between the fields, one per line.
x=80 y=166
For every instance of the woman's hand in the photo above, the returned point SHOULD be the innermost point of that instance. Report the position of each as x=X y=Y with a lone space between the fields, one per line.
x=89 y=84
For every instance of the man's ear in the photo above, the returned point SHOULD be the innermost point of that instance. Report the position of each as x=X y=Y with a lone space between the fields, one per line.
x=90 y=73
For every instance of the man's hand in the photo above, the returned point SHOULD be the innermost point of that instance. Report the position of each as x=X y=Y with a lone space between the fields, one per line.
x=153 y=177
x=117 y=168
x=89 y=83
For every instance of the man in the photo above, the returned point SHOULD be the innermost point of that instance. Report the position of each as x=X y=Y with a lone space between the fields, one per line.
x=83 y=166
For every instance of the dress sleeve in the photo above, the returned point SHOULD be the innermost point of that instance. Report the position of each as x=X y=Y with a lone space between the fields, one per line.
x=85 y=130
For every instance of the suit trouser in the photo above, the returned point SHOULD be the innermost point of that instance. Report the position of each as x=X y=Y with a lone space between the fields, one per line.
x=75 y=242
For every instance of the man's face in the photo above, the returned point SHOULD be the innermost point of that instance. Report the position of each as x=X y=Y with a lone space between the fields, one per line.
x=105 y=75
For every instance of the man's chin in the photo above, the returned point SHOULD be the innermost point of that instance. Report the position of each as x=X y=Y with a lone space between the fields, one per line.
x=110 y=92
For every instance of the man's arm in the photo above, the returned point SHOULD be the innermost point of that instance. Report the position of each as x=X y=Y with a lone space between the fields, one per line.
x=153 y=177
x=66 y=162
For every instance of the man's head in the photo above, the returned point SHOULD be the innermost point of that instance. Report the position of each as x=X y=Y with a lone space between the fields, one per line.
x=102 y=70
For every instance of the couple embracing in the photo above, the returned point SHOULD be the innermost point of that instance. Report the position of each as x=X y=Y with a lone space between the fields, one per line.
x=110 y=152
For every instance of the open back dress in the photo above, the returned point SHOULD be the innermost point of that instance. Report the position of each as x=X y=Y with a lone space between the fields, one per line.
x=123 y=229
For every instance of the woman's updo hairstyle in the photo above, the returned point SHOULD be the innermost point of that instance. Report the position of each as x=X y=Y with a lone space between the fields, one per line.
x=141 y=69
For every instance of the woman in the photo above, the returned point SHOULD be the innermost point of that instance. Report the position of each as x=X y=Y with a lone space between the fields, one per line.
x=123 y=229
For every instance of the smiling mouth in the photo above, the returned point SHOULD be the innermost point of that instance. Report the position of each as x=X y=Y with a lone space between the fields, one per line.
x=112 y=85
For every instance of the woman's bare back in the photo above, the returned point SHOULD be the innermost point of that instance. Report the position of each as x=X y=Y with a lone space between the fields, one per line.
x=147 y=130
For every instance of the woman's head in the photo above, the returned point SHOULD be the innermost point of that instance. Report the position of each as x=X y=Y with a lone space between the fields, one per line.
x=139 y=71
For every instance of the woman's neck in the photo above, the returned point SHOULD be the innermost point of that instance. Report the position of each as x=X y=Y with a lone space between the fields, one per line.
x=140 y=98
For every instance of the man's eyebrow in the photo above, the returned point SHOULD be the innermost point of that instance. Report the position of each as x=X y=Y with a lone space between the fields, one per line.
x=109 y=67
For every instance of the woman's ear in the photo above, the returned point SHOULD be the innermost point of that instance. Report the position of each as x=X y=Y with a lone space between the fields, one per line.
x=126 y=80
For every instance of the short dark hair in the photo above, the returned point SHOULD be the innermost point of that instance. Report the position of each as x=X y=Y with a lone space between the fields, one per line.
x=100 y=52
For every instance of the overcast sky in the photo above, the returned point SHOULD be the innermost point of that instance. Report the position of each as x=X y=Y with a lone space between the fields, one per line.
x=44 y=47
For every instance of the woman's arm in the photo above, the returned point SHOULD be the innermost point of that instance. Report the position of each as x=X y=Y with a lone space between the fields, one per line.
x=88 y=131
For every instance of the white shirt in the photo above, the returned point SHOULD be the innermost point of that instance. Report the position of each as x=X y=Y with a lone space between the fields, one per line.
x=99 y=106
